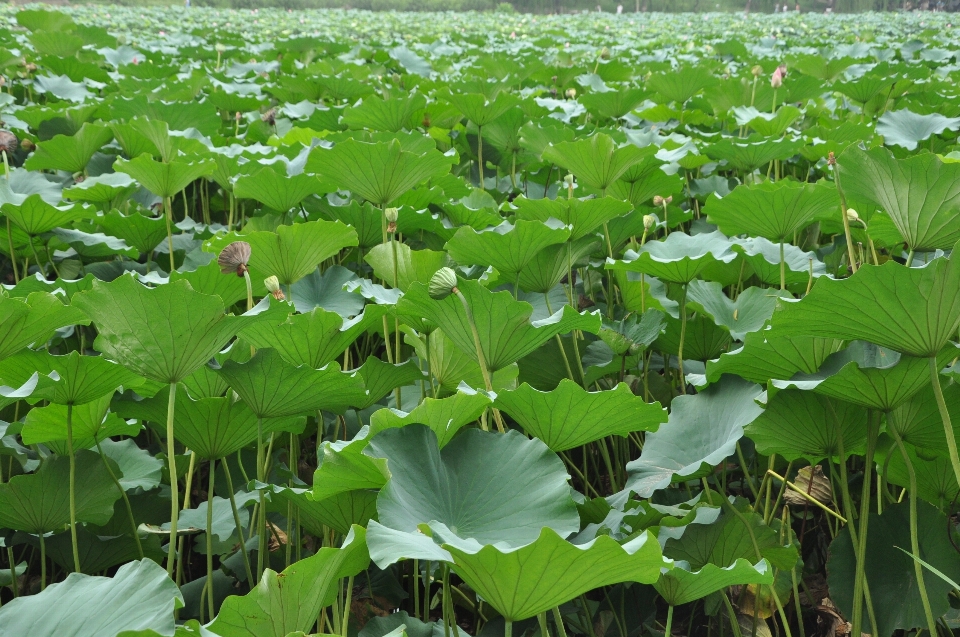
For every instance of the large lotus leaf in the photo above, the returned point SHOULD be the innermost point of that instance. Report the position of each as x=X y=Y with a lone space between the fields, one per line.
x=763 y=257
x=69 y=153
x=679 y=258
x=379 y=379
x=452 y=486
x=477 y=210
x=344 y=467
x=506 y=332
x=773 y=210
x=142 y=135
x=90 y=422
x=906 y=128
x=163 y=333
x=570 y=416
x=139 y=469
x=451 y=366
x=613 y=104
x=679 y=85
x=701 y=431
x=890 y=572
x=22 y=389
x=802 y=424
x=767 y=124
x=164 y=179
x=378 y=172
x=478 y=108
x=767 y=355
x=292 y=252
x=276 y=191
x=545 y=271
x=273 y=387
x=911 y=310
x=727 y=540
x=39 y=503
x=645 y=180
x=79 y=379
x=213 y=427
x=682 y=586
x=33 y=320
x=921 y=194
x=584 y=216
x=936 y=482
x=751 y=153
x=35 y=216
x=918 y=420
x=314 y=338
x=137 y=230
x=378 y=114
x=339 y=512
x=445 y=416
x=411 y=266
x=748 y=313
x=283 y=603
x=139 y=597
x=507 y=247
x=867 y=375
x=523 y=582
x=364 y=217
x=327 y=291
x=596 y=161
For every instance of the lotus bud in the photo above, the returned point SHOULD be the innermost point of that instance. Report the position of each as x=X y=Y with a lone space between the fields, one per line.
x=657 y=201
x=27 y=145
x=776 y=80
x=236 y=117
x=852 y=215
x=234 y=258
x=442 y=284
x=649 y=221
x=391 y=214
x=668 y=200
x=220 y=48
x=605 y=53
x=810 y=480
x=571 y=93
x=8 y=142
x=568 y=180
x=757 y=70
x=272 y=284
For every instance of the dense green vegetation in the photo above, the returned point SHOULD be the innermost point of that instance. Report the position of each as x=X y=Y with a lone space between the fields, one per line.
x=364 y=324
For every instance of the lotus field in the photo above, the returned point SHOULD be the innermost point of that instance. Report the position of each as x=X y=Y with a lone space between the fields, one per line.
x=368 y=324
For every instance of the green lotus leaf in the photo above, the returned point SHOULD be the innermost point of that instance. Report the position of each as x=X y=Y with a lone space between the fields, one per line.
x=481 y=109
x=344 y=467
x=80 y=379
x=772 y=210
x=523 y=582
x=401 y=621
x=314 y=338
x=91 y=423
x=802 y=424
x=613 y=104
x=545 y=271
x=378 y=172
x=291 y=601
x=477 y=210
x=274 y=388
x=767 y=124
x=918 y=420
x=33 y=321
x=339 y=512
x=142 y=135
x=98 y=552
x=570 y=416
x=23 y=389
x=35 y=216
x=751 y=153
x=504 y=326
x=596 y=161
x=378 y=114
x=644 y=180
x=38 y=503
x=864 y=89
x=208 y=279
x=163 y=333
x=412 y=266
x=138 y=597
x=890 y=573
x=914 y=311
x=679 y=85
x=277 y=191
x=380 y=378
x=164 y=179
x=682 y=586
x=920 y=194
x=936 y=482
x=507 y=247
x=449 y=486
x=445 y=416
x=584 y=216
x=763 y=257
x=72 y=153
x=327 y=291
x=679 y=258
x=906 y=128
x=44 y=20
x=701 y=431
x=451 y=366
x=748 y=313
x=364 y=217
x=767 y=355
x=137 y=230
x=138 y=468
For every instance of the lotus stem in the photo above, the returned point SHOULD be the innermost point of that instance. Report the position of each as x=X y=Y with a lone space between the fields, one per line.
x=73 y=489
x=806 y=496
x=783 y=269
x=246 y=279
x=168 y=213
x=13 y=572
x=851 y=255
x=480 y=161
x=43 y=562
x=210 y=605
x=669 y=625
x=945 y=417
x=480 y=357
x=426 y=589
x=261 y=503
x=346 y=607
x=507 y=628
x=914 y=540
x=683 y=333
x=236 y=520
x=126 y=500
x=13 y=255
x=860 y=581
x=416 y=588
x=174 y=490
x=558 y=620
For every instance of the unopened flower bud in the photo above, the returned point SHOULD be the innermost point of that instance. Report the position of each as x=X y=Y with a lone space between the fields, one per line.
x=668 y=200
x=568 y=180
x=391 y=214
x=220 y=48
x=757 y=70
x=657 y=200
x=649 y=221
x=234 y=258
x=237 y=116
x=442 y=284
x=27 y=145
x=776 y=80
x=571 y=93
x=272 y=284
x=852 y=215
x=605 y=53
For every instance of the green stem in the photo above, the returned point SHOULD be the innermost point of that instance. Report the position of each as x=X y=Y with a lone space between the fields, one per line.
x=346 y=607
x=416 y=588
x=945 y=417
x=683 y=333
x=13 y=255
x=481 y=359
x=542 y=621
x=558 y=620
x=13 y=572
x=783 y=269
x=168 y=213
x=261 y=508
x=669 y=626
x=73 y=489
x=174 y=492
x=126 y=500
x=507 y=628
x=246 y=279
x=480 y=159
x=914 y=540
x=213 y=473
x=43 y=562
x=846 y=222
x=236 y=520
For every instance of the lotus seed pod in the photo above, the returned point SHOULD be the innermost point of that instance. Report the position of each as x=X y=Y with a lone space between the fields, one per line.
x=852 y=215
x=442 y=284
x=810 y=480
x=8 y=141
x=234 y=258
x=757 y=70
x=272 y=284
x=571 y=93
x=27 y=145
x=657 y=200
x=220 y=48
x=649 y=221
x=391 y=214
x=568 y=180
